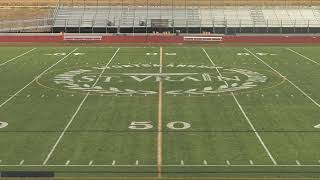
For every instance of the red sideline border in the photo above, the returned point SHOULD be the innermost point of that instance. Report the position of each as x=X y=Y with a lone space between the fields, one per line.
x=59 y=38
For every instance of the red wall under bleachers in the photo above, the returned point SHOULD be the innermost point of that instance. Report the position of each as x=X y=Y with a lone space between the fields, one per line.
x=31 y=38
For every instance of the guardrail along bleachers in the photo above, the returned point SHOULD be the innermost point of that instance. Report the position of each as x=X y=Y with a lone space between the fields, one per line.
x=82 y=37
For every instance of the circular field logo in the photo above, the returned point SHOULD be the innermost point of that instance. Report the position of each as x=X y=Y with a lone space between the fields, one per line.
x=143 y=79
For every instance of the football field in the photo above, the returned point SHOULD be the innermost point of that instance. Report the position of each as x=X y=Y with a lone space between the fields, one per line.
x=161 y=112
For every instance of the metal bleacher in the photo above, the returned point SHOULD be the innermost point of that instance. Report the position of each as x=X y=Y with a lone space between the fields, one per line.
x=234 y=16
x=191 y=17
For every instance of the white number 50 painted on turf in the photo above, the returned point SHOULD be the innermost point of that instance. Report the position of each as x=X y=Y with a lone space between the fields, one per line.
x=3 y=124
x=140 y=125
x=179 y=125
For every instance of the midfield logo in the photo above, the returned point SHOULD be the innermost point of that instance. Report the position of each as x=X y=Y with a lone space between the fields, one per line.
x=188 y=82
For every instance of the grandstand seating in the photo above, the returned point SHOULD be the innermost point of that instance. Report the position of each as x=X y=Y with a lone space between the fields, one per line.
x=231 y=16
x=197 y=14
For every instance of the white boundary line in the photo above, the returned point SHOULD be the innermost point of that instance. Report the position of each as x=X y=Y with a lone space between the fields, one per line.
x=159 y=138
x=12 y=59
x=305 y=94
x=307 y=58
x=77 y=111
x=245 y=115
x=37 y=77
x=156 y=165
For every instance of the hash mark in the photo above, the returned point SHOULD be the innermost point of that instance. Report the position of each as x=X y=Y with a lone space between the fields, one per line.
x=21 y=162
x=205 y=162
x=228 y=162
x=182 y=162
x=298 y=163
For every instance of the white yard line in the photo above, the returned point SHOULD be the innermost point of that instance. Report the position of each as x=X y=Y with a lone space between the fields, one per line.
x=307 y=58
x=159 y=138
x=12 y=59
x=255 y=131
x=305 y=94
x=77 y=111
x=246 y=117
x=45 y=71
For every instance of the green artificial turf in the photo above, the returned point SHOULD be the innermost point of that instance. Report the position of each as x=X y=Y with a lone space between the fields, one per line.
x=215 y=120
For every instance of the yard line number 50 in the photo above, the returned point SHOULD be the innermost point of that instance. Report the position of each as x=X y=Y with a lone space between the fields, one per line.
x=177 y=125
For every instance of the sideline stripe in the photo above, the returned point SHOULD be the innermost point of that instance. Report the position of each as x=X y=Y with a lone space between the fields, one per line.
x=185 y=177
x=17 y=57
x=159 y=139
x=155 y=165
x=305 y=94
x=307 y=58
x=245 y=115
x=77 y=111
x=37 y=77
